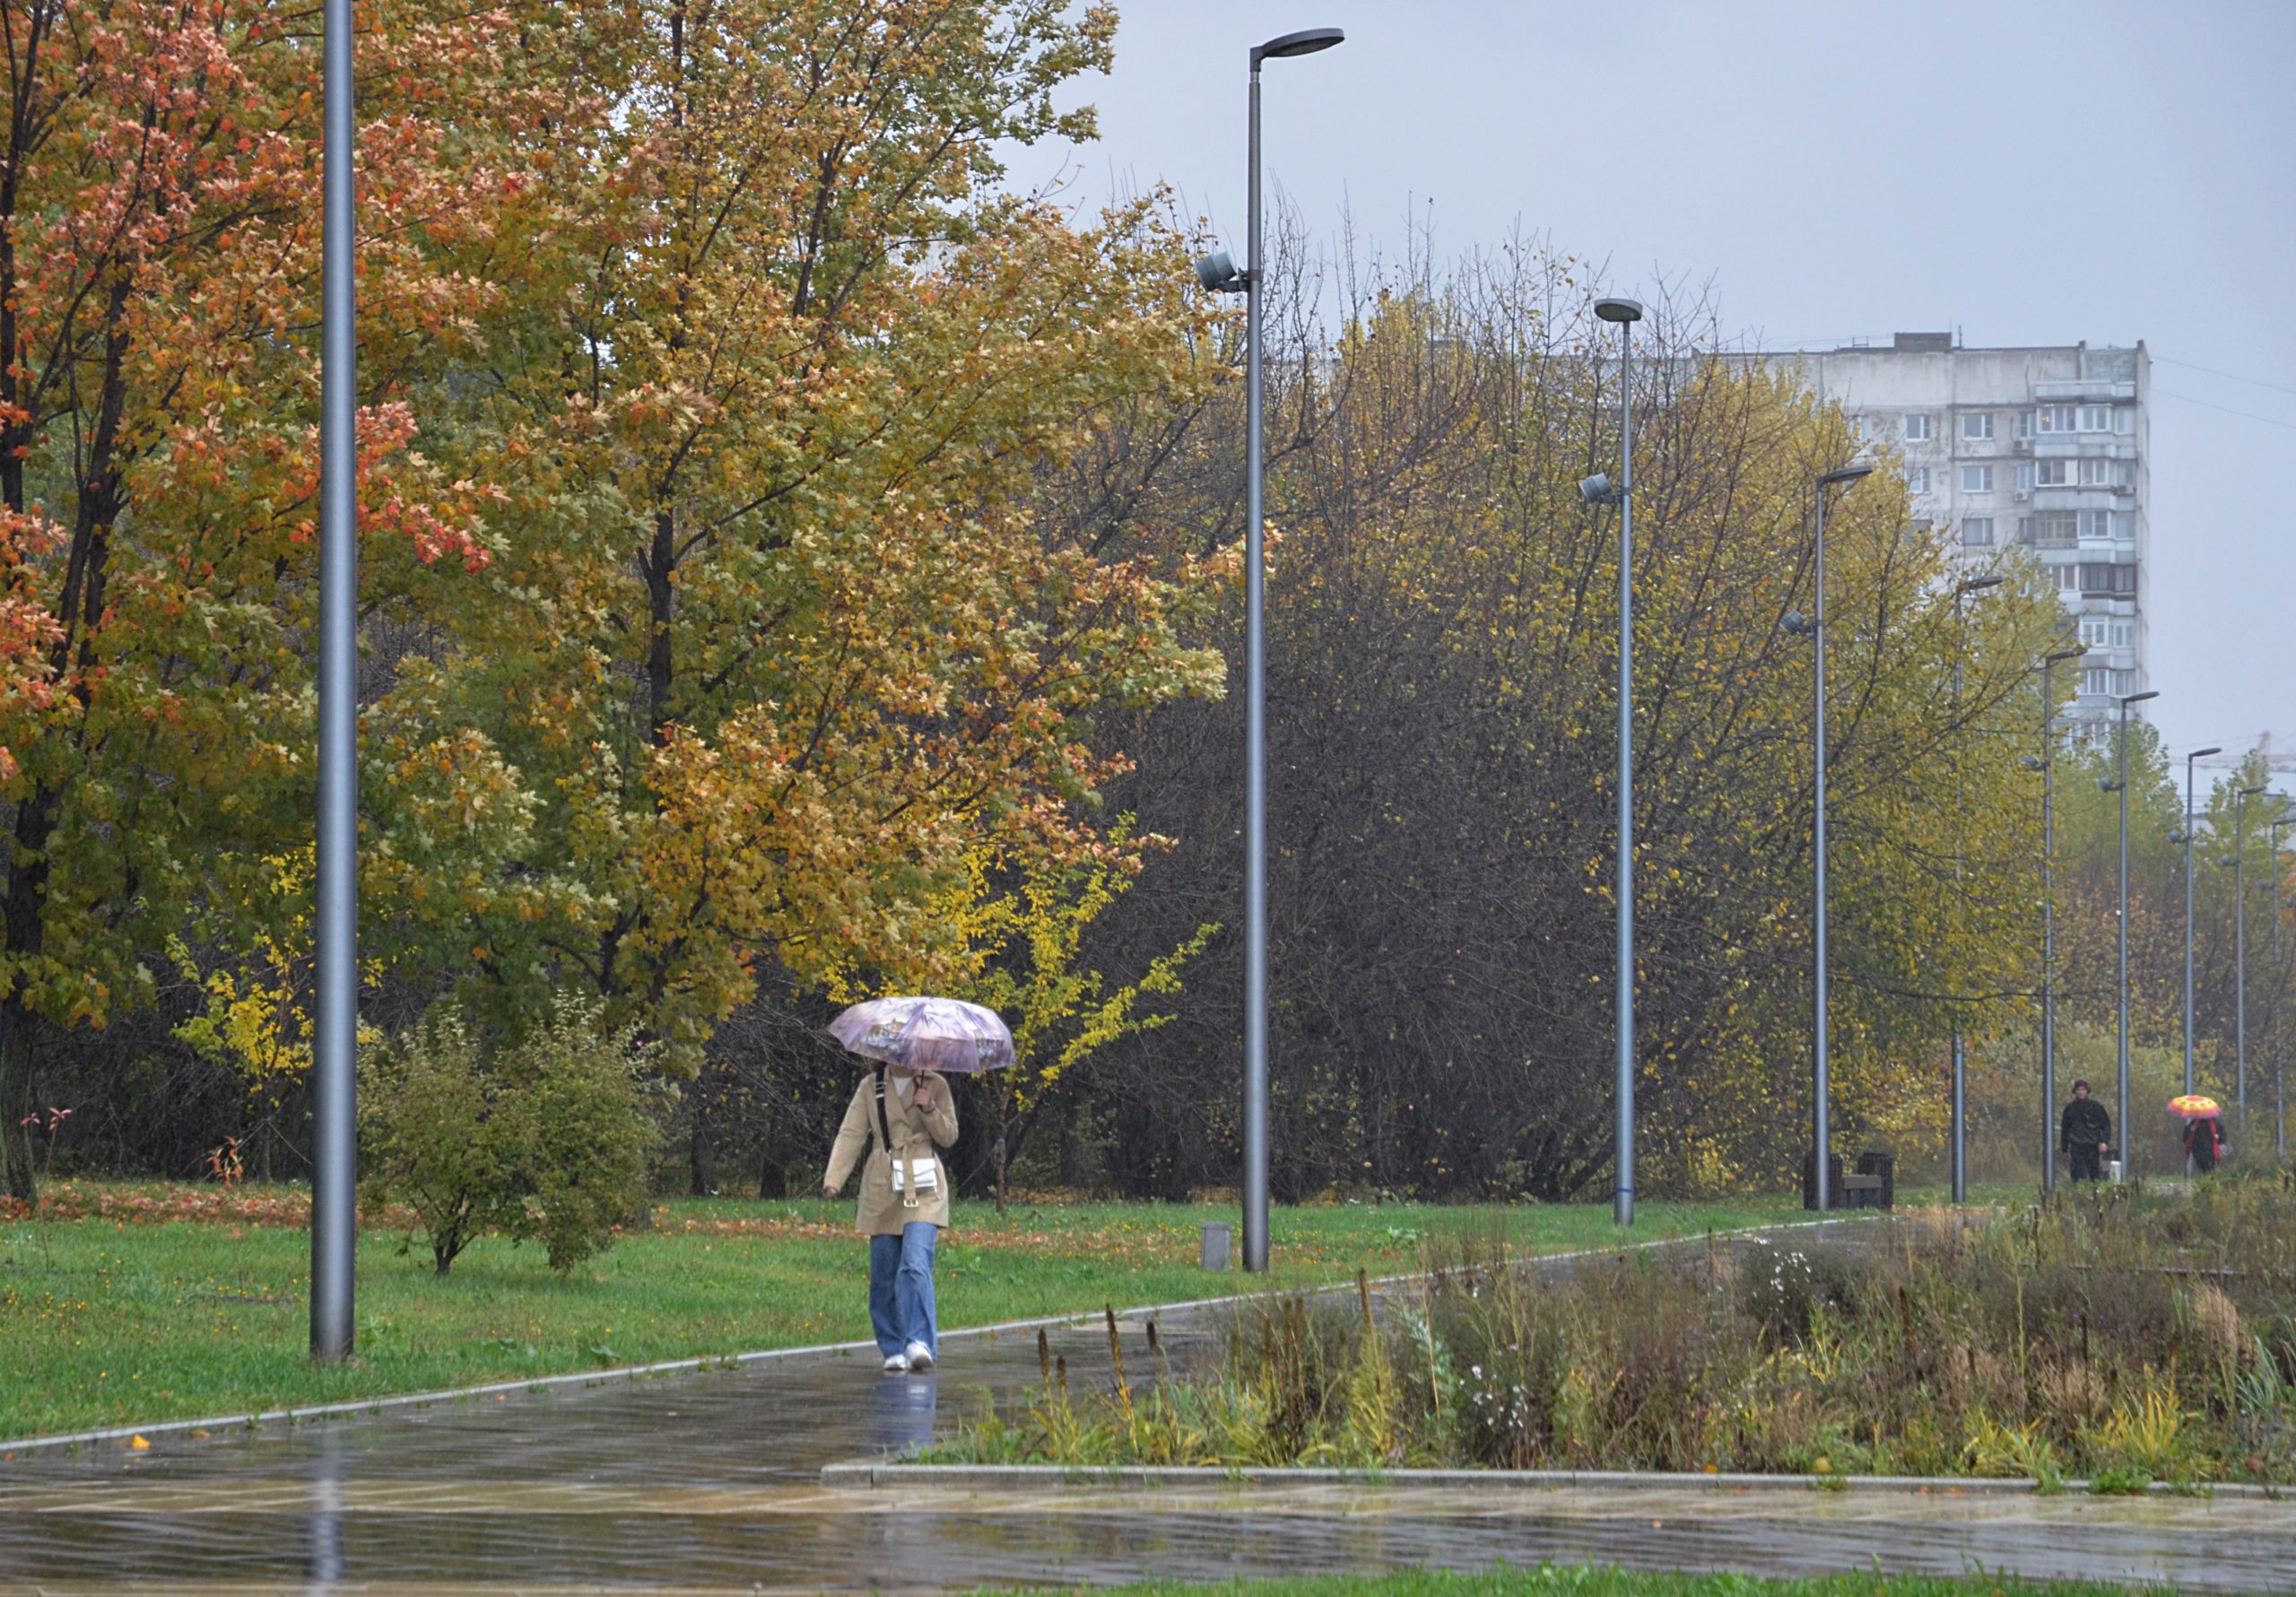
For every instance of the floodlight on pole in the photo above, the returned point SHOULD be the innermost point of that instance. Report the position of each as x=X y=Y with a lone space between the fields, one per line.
x=1821 y=1188
x=1218 y=272
x=1960 y=1138
x=2048 y=766
x=2120 y=1031
x=2241 y=796
x=1624 y=313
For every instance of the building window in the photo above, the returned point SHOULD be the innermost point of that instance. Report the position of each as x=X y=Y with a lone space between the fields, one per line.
x=2103 y=474
x=1977 y=425
x=1916 y=429
x=2068 y=579
x=2093 y=634
x=2124 y=683
x=2096 y=524
x=2124 y=635
x=2024 y=424
x=2125 y=525
x=2097 y=678
x=1917 y=479
x=2124 y=420
x=2025 y=476
x=2056 y=530
x=1976 y=532
x=2053 y=417
x=2097 y=578
x=2052 y=474
x=1977 y=478
x=2096 y=418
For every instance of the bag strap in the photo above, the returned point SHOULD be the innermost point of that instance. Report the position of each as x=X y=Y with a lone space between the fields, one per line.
x=885 y=1126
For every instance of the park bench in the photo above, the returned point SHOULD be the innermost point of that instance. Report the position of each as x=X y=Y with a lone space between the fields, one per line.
x=1873 y=1184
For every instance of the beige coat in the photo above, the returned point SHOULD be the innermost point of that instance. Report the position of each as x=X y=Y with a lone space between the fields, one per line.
x=917 y=1137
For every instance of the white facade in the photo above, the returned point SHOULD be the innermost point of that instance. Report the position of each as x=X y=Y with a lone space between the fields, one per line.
x=2043 y=448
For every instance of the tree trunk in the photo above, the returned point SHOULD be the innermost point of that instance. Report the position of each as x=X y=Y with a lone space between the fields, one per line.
x=16 y=1175
x=704 y=1156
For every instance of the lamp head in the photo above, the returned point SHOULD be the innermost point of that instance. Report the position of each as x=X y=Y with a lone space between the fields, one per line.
x=2061 y=655
x=2128 y=699
x=2032 y=762
x=1597 y=489
x=1977 y=585
x=1794 y=624
x=1618 y=310
x=2202 y=754
x=2177 y=834
x=1217 y=272
x=1847 y=474
x=2107 y=785
x=1306 y=41
x=2252 y=792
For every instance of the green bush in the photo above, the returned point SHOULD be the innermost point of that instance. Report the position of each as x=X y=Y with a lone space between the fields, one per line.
x=546 y=1139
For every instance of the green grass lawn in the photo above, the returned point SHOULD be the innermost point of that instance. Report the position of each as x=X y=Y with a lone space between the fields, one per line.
x=1618 y=1583
x=181 y=1302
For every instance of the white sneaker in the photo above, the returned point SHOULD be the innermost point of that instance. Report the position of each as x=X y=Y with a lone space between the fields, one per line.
x=897 y=1365
x=920 y=1359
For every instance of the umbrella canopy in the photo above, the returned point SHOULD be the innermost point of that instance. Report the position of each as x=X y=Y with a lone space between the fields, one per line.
x=926 y=1034
x=2192 y=1106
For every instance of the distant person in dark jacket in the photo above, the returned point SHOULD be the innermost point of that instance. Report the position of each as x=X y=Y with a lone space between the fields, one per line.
x=2087 y=1133
x=2204 y=1143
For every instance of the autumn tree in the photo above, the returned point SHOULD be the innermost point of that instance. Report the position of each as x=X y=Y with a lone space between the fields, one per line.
x=773 y=638
x=158 y=244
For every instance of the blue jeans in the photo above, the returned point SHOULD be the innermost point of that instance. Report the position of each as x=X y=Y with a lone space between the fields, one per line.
x=901 y=1289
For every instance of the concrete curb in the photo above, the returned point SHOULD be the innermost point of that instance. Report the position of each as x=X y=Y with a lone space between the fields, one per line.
x=630 y=1372
x=865 y=1475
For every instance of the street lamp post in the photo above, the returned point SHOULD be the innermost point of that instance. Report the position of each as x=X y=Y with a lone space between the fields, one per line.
x=334 y=1153
x=1217 y=272
x=1961 y=589
x=2120 y=1049
x=2241 y=796
x=1820 y=1127
x=2198 y=754
x=2047 y=765
x=2279 y=991
x=1625 y=313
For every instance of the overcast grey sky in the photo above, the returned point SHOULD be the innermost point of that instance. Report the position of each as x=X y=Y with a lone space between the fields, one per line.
x=2028 y=171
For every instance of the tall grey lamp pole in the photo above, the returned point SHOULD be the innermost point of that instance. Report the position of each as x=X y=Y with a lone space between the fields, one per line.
x=1625 y=313
x=1822 y=1135
x=334 y=1153
x=1966 y=585
x=2241 y=796
x=2279 y=992
x=2047 y=765
x=2198 y=754
x=1217 y=272
x=2120 y=1047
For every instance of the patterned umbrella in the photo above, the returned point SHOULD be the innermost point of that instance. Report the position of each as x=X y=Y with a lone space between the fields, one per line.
x=2193 y=1107
x=934 y=1034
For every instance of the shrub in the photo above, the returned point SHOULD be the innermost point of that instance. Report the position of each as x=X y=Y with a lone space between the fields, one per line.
x=426 y=1123
x=546 y=1139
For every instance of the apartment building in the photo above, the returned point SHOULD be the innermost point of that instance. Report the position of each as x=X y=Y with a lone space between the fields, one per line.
x=2041 y=448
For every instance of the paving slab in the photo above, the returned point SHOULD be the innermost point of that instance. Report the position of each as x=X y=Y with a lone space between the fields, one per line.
x=708 y=1480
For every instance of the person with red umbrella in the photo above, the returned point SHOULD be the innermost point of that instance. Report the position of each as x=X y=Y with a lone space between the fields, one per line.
x=901 y=1117
x=2204 y=1131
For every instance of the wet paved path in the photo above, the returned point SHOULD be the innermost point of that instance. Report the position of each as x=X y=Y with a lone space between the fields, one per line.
x=709 y=1481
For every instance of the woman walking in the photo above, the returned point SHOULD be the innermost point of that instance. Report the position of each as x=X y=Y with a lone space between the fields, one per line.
x=901 y=1117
